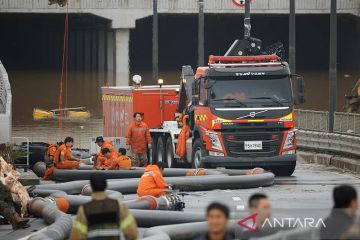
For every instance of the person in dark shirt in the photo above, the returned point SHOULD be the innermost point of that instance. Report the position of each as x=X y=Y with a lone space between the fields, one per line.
x=217 y=216
x=259 y=205
x=343 y=214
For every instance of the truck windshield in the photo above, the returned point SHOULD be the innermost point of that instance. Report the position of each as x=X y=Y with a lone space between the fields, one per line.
x=266 y=91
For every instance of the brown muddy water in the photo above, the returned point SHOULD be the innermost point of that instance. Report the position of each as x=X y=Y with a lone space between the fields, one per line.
x=40 y=89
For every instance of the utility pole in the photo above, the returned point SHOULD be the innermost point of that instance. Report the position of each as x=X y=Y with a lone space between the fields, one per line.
x=201 y=34
x=292 y=36
x=247 y=24
x=155 y=42
x=332 y=66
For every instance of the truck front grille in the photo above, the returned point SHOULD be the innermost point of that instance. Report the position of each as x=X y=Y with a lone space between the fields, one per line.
x=235 y=147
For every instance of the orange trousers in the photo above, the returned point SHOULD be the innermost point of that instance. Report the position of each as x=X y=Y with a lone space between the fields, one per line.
x=156 y=192
x=67 y=165
x=48 y=173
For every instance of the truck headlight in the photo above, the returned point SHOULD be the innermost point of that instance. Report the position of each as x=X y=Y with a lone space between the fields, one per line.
x=289 y=141
x=215 y=141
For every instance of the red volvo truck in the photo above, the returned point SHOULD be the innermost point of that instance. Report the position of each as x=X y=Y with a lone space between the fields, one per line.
x=241 y=112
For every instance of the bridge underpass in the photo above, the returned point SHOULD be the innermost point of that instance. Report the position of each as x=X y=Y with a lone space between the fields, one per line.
x=111 y=30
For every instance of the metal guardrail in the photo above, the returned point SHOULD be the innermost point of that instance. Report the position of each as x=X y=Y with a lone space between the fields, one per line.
x=345 y=123
x=329 y=142
x=312 y=120
x=348 y=123
x=313 y=134
x=309 y=6
x=5 y=106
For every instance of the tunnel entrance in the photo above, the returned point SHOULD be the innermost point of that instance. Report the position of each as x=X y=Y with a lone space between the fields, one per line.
x=31 y=47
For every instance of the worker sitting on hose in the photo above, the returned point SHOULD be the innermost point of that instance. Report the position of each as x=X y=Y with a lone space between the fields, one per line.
x=123 y=161
x=152 y=181
x=103 y=217
x=104 y=144
x=63 y=157
x=105 y=161
x=49 y=159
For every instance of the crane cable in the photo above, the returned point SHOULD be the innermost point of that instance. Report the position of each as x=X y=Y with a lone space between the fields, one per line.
x=64 y=67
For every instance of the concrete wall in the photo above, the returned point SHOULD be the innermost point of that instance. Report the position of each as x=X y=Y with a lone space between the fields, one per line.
x=5 y=106
x=125 y=12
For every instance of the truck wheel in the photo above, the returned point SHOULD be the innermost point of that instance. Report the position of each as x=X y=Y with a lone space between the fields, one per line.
x=171 y=161
x=284 y=170
x=198 y=153
x=160 y=149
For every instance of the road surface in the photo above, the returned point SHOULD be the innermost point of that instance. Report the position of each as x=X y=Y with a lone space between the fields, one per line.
x=308 y=189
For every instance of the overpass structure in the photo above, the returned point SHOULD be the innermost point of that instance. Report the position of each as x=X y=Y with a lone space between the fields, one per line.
x=123 y=15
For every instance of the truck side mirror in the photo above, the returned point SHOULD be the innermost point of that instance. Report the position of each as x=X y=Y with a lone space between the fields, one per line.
x=298 y=88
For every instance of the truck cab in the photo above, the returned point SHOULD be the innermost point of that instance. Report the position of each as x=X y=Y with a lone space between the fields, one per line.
x=243 y=114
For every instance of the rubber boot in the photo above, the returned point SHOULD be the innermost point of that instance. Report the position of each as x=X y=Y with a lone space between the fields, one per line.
x=18 y=222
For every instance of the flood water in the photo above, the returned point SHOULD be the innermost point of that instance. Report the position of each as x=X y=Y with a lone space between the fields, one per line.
x=40 y=89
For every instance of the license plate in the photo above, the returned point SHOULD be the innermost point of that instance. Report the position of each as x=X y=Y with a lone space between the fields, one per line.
x=253 y=145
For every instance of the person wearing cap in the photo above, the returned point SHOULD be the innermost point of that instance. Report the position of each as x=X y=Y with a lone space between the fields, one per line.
x=103 y=144
x=138 y=139
x=103 y=217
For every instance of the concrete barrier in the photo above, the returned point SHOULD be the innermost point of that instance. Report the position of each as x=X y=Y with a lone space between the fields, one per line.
x=344 y=163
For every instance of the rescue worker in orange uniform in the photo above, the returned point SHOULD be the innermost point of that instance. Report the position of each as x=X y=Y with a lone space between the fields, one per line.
x=49 y=159
x=152 y=181
x=103 y=144
x=138 y=139
x=123 y=161
x=105 y=161
x=50 y=153
x=183 y=136
x=63 y=157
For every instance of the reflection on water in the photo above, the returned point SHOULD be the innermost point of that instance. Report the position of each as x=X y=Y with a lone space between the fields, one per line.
x=32 y=89
x=47 y=131
x=40 y=89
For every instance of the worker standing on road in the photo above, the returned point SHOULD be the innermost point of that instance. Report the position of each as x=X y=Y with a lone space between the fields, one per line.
x=49 y=159
x=183 y=136
x=152 y=181
x=104 y=144
x=103 y=217
x=138 y=140
x=63 y=157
